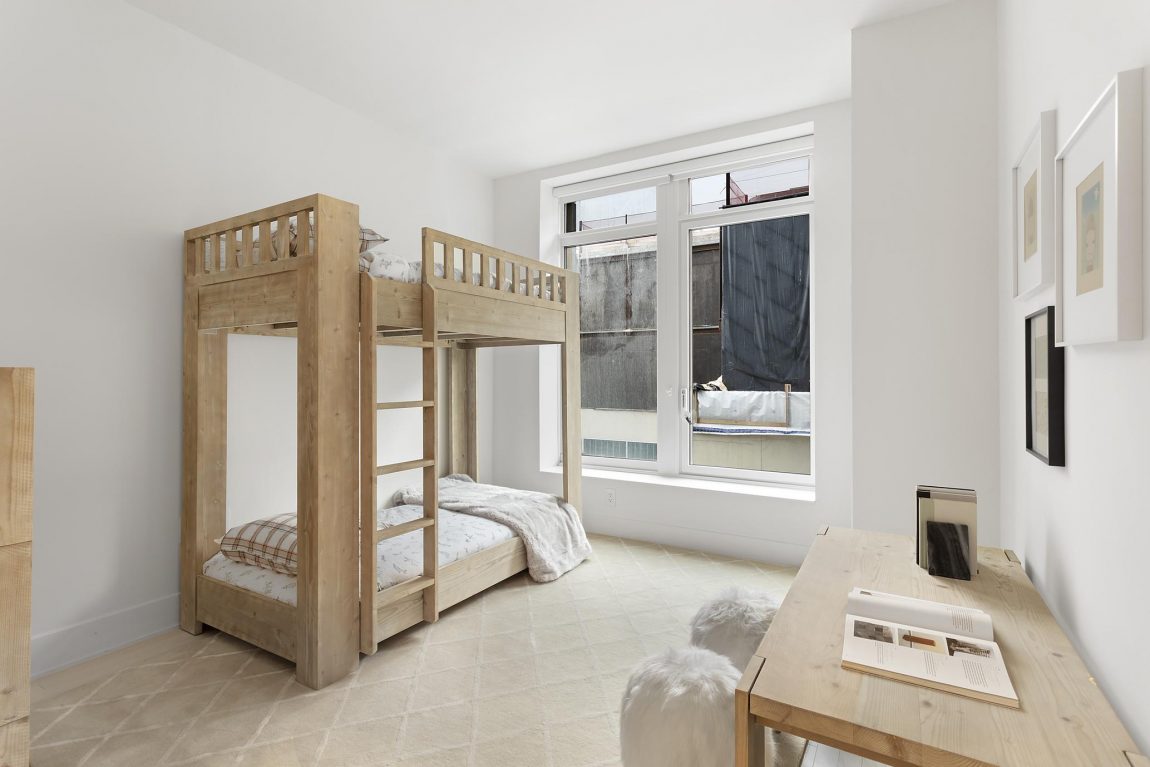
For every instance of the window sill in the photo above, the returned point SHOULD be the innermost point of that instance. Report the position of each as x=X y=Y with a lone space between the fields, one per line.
x=760 y=489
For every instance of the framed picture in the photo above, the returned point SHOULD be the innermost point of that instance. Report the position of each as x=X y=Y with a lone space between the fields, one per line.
x=1045 y=390
x=1098 y=175
x=1033 y=210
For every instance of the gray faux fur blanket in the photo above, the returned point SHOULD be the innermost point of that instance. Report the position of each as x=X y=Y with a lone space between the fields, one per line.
x=550 y=529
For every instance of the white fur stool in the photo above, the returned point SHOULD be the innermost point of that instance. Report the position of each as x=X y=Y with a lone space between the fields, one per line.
x=734 y=624
x=678 y=711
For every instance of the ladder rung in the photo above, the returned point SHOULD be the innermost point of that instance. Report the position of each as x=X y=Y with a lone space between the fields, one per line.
x=391 y=468
x=401 y=590
x=406 y=403
x=383 y=534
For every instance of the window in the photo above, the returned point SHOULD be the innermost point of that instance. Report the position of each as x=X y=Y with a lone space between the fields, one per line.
x=766 y=183
x=696 y=283
x=617 y=324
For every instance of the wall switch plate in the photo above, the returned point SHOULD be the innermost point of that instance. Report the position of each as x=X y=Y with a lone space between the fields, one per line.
x=611 y=497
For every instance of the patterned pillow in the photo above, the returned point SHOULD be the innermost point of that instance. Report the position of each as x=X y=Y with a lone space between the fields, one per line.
x=269 y=543
x=379 y=263
x=367 y=238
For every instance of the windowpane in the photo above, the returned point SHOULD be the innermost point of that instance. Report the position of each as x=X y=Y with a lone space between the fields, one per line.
x=750 y=346
x=634 y=207
x=765 y=183
x=617 y=294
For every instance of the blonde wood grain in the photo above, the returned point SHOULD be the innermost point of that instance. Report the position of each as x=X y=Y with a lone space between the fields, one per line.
x=17 y=407
x=204 y=510
x=259 y=301
x=14 y=740
x=461 y=412
x=272 y=213
x=1137 y=760
x=368 y=412
x=749 y=743
x=398 y=304
x=15 y=631
x=492 y=314
x=283 y=237
x=430 y=452
x=397 y=592
x=803 y=689
x=457 y=581
x=252 y=617
x=267 y=252
x=414 y=403
x=303 y=234
x=17 y=418
x=383 y=533
x=395 y=468
x=256 y=270
x=327 y=644
x=313 y=296
x=471 y=575
x=572 y=404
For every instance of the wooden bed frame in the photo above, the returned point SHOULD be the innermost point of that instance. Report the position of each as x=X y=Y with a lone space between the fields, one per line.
x=314 y=291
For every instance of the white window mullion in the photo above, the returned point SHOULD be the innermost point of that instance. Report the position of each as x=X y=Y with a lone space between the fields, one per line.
x=669 y=320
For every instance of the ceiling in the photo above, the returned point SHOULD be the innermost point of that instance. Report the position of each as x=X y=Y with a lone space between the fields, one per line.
x=510 y=85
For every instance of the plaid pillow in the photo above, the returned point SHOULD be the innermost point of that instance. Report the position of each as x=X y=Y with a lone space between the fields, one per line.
x=269 y=543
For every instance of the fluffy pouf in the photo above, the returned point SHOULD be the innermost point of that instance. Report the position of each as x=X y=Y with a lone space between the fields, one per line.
x=733 y=624
x=678 y=711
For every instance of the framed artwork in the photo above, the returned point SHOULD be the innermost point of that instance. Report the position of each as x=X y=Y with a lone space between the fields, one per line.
x=1098 y=175
x=1045 y=390
x=1033 y=210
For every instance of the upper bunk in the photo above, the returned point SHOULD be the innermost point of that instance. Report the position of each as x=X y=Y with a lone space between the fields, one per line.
x=482 y=296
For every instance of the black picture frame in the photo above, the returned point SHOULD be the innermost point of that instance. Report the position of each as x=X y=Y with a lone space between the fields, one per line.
x=1055 y=380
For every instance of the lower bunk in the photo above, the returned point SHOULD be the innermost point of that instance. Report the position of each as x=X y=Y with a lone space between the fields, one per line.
x=258 y=604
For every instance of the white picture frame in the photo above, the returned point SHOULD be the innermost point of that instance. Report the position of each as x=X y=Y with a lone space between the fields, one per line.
x=1098 y=176
x=1033 y=210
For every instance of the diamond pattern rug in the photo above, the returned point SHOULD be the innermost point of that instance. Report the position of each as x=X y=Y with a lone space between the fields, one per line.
x=523 y=674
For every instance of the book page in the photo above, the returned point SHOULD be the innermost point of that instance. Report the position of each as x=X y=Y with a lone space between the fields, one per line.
x=959 y=662
x=935 y=616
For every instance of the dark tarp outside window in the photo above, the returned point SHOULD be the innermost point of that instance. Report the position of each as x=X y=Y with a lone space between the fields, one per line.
x=766 y=305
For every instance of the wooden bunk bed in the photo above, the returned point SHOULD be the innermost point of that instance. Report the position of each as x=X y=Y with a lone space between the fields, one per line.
x=310 y=286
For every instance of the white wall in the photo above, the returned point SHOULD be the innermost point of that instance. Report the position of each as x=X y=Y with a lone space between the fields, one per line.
x=924 y=216
x=119 y=132
x=772 y=529
x=1081 y=530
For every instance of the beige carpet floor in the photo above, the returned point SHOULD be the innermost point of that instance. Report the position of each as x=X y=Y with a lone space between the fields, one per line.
x=524 y=674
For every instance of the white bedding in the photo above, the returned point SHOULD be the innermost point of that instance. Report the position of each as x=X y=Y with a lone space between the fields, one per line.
x=378 y=263
x=397 y=559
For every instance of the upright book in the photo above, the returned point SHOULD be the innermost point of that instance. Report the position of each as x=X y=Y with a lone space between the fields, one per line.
x=944 y=647
x=947 y=531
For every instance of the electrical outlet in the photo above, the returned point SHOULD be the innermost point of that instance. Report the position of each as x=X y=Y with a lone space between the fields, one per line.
x=611 y=497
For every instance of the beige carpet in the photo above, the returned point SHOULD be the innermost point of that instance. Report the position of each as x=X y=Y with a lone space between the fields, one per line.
x=524 y=674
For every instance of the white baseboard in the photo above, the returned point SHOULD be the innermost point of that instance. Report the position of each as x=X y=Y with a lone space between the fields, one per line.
x=53 y=650
x=725 y=544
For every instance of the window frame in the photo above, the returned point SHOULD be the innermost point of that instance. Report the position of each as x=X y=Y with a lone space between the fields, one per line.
x=672 y=226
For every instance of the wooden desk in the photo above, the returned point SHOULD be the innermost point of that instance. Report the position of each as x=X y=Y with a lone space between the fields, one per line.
x=796 y=684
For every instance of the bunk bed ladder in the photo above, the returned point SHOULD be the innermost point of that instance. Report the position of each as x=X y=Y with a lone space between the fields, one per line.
x=370 y=599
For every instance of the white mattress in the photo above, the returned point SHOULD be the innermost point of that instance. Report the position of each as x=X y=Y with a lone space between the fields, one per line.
x=397 y=559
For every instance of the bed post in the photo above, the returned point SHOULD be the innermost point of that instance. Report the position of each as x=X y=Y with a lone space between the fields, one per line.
x=327 y=647
x=572 y=399
x=205 y=445
x=462 y=411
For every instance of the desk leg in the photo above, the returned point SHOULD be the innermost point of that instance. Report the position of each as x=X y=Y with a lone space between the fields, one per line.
x=750 y=746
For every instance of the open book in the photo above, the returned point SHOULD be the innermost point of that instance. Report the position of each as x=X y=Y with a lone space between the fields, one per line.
x=943 y=647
